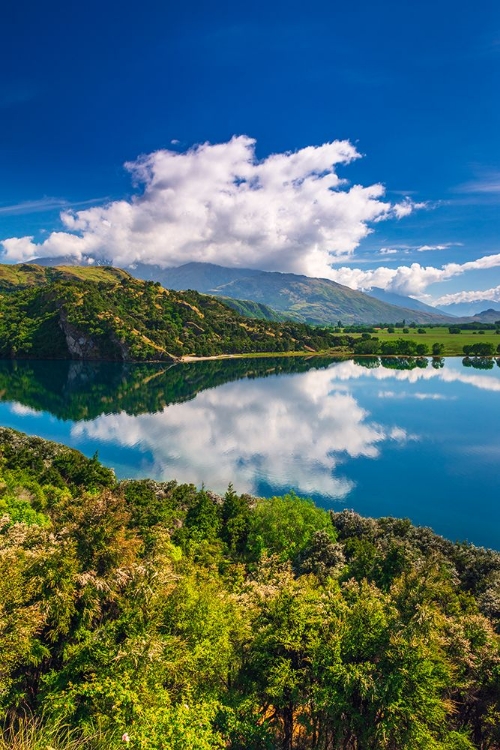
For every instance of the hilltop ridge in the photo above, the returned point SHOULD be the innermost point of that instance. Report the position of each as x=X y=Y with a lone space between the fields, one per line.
x=295 y=297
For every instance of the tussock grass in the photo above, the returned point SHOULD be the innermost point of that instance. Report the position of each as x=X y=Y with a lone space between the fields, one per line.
x=31 y=733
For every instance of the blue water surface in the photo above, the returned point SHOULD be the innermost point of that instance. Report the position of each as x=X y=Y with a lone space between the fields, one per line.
x=410 y=441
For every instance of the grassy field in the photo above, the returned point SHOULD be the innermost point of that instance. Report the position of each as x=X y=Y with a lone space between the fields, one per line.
x=453 y=343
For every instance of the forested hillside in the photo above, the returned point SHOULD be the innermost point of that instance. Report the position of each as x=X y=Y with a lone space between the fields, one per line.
x=188 y=621
x=103 y=313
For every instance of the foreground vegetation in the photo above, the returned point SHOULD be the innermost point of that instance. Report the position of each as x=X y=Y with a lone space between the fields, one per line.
x=188 y=621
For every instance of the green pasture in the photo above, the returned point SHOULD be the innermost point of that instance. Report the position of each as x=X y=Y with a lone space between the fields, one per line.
x=453 y=342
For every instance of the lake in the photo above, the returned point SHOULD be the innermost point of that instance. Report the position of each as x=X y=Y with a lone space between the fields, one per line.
x=417 y=439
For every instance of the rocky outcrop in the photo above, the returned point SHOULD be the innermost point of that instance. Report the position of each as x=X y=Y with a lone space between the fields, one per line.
x=80 y=345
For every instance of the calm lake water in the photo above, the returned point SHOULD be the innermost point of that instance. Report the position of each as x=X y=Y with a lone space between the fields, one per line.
x=419 y=440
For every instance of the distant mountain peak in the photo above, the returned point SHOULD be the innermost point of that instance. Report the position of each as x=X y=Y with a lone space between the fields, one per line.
x=401 y=300
x=471 y=309
x=294 y=296
x=298 y=297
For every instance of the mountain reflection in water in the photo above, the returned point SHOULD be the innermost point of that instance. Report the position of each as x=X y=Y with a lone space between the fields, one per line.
x=273 y=424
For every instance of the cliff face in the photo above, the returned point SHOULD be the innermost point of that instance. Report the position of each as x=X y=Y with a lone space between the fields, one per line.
x=82 y=345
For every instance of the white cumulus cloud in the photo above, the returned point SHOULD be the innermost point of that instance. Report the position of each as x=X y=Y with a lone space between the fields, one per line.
x=472 y=296
x=219 y=203
x=412 y=279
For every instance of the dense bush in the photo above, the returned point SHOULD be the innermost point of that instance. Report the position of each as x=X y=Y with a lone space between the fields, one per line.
x=479 y=350
x=192 y=621
x=403 y=347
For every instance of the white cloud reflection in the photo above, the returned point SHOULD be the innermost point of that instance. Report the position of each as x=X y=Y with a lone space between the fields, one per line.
x=286 y=432
x=349 y=370
x=23 y=411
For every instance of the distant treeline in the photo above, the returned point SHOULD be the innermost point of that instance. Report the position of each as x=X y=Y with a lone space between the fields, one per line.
x=406 y=347
x=391 y=327
x=474 y=327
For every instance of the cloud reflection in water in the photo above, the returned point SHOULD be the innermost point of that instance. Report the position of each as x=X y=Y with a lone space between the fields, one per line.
x=291 y=431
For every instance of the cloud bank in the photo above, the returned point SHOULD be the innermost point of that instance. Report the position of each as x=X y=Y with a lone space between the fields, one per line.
x=220 y=204
x=413 y=279
x=472 y=296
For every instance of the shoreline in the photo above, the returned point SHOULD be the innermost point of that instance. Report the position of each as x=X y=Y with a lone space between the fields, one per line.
x=251 y=355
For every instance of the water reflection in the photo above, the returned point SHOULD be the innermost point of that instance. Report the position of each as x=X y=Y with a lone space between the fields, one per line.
x=285 y=432
x=84 y=390
x=351 y=370
x=396 y=437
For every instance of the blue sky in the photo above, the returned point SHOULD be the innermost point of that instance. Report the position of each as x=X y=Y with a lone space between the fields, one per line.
x=414 y=89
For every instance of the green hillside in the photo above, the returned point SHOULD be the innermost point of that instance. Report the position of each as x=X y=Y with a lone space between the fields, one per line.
x=310 y=300
x=256 y=310
x=283 y=296
x=189 y=621
x=104 y=313
x=319 y=301
x=26 y=275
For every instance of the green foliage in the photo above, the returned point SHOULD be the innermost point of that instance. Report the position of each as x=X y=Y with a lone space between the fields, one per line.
x=479 y=350
x=367 y=347
x=115 y=317
x=284 y=526
x=190 y=621
x=405 y=347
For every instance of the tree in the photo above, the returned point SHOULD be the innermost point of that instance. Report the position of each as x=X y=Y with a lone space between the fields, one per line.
x=366 y=347
x=479 y=349
x=284 y=526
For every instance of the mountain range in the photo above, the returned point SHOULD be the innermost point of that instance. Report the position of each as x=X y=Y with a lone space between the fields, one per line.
x=401 y=300
x=471 y=309
x=488 y=316
x=289 y=296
